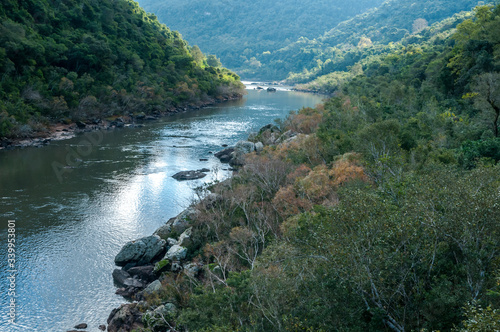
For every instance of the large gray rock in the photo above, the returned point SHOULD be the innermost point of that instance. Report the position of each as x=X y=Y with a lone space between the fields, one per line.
x=176 y=253
x=287 y=136
x=140 y=252
x=181 y=222
x=259 y=146
x=189 y=175
x=153 y=287
x=184 y=237
x=177 y=224
x=240 y=150
x=224 y=155
x=244 y=147
x=119 y=276
x=145 y=273
x=165 y=230
x=132 y=282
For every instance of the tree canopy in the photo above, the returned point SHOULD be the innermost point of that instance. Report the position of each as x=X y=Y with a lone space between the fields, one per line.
x=85 y=60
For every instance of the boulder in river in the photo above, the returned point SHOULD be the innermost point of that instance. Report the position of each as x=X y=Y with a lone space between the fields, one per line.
x=145 y=273
x=224 y=155
x=81 y=326
x=188 y=175
x=132 y=282
x=127 y=292
x=119 y=276
x=140 y=252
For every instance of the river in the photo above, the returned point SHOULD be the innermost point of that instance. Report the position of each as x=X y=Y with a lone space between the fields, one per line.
x=70 y=222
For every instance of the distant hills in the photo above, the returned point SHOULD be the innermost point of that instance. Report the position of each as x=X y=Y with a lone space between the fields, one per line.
x=243 y=32
x=273 y=40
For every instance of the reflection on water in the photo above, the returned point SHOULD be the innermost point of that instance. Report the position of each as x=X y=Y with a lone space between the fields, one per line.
x=70 y=227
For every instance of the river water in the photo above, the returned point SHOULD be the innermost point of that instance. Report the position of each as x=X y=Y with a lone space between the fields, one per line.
x=70 y=222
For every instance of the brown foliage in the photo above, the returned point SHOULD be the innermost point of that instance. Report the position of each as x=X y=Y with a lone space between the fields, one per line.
x=306 y=121
x=347 y=169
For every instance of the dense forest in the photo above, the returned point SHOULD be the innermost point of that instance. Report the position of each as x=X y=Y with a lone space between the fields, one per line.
x=365 y=34
x=85 y=60
x=270 y=40
x=240 y=32
x=377 y=211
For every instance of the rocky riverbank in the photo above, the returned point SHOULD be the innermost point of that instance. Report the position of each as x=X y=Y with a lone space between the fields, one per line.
x=148 y=264
x=62 y=131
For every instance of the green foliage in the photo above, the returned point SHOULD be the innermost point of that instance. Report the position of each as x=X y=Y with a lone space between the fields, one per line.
x=246 y=34
x=382 y=214
x=333 y=57
x=480 y=152
x=161 y=265
x=87 y=60
x=224 y=308
x=481 y=319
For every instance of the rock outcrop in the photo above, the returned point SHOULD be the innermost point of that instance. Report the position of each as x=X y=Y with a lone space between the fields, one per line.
x=125 y=318
x=177 y=224
x=224 y=155
x=176 y=253
x=140 y=252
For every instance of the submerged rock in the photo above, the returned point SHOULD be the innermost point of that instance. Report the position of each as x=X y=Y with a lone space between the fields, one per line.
x=188 y=175
x=81 y=326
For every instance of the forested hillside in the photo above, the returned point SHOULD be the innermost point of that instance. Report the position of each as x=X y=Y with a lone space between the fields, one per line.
x=299 y=40
x=239 y=31
x=354 y=39
x=80 y=60
x=377 y=211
